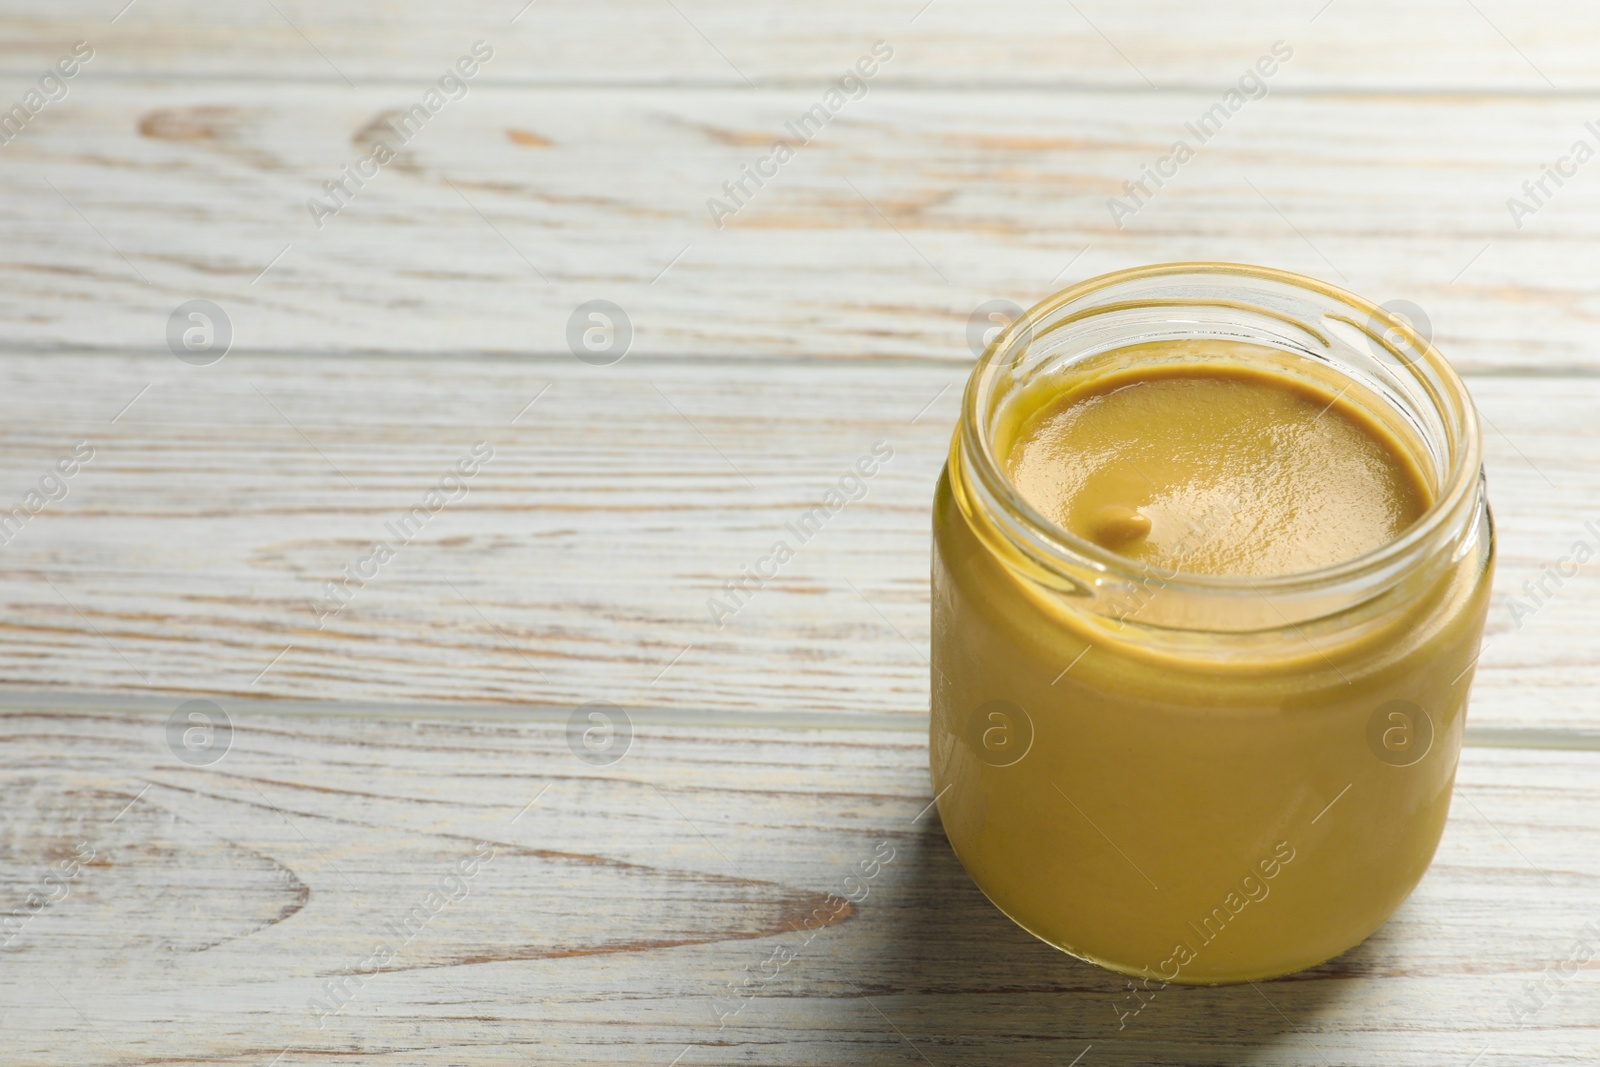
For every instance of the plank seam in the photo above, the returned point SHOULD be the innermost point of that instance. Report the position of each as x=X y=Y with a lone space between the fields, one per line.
x=21 y=701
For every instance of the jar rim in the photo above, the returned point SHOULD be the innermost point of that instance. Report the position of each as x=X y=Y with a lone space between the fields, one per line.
x=1057 y=549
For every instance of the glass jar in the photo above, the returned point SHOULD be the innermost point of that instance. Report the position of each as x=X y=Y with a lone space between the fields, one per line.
x=1192 y=778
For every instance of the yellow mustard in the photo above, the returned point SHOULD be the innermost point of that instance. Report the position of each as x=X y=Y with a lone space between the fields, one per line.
x=1211 y=564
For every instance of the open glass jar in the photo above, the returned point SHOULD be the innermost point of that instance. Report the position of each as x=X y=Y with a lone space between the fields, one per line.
x=1198 y=778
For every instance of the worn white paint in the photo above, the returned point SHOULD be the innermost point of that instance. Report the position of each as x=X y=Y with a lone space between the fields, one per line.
x=773 y=755
x=880 y=238
x=629 y=896
x=1348 y=44
x=579 y=564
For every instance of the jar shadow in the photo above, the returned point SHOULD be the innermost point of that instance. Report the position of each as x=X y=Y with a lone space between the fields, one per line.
x=962 y=983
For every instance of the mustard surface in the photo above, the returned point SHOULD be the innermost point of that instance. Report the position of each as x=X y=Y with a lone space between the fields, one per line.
x=1199 y=807
x=1281 y=477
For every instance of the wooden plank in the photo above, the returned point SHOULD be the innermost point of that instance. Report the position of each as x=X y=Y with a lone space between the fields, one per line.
x=620 y=913
x=880 y=238
x=186 y=555
x=1430 y=44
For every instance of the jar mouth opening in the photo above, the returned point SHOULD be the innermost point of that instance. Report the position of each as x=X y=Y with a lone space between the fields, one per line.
x=1300 y=315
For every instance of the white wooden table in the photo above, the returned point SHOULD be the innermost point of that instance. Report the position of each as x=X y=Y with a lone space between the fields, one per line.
x=645 y=910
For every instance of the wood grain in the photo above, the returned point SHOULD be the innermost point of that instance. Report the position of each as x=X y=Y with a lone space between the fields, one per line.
x=880 y=238
x=185 y=557
x=630 y=910
x=619 y=913
x=1350 y=44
